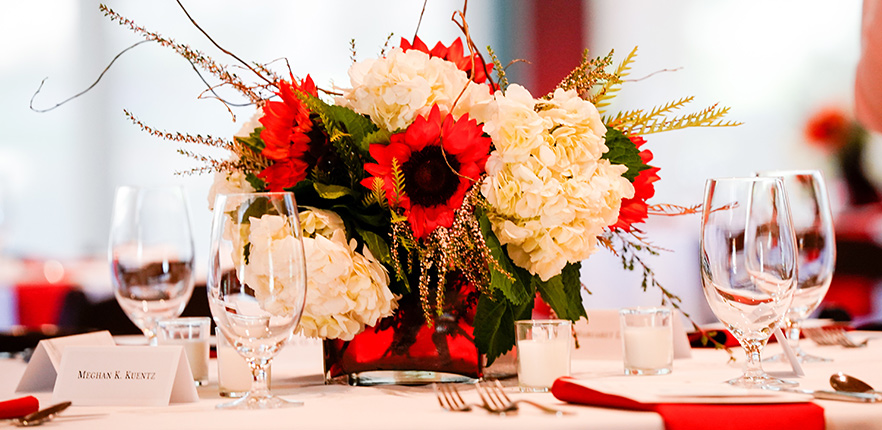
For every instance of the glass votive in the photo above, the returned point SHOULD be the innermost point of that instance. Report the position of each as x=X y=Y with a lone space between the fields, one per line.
x=234 y=376
x=647 y=341
x=543 y=353
x=192 y=334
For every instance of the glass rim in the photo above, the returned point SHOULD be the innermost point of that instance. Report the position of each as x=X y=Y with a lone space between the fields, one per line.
x=190 y=321
x=645 y=310
x=540 y=322
x=789 y=172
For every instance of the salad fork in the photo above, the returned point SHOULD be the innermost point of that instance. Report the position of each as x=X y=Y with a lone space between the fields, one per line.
x=449 y=398
x=495 y=400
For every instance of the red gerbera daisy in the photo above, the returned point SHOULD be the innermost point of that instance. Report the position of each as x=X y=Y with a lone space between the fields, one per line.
x=454 y=54
x=439 y=161
x=634 y=210
x=286 y=135
x=828 y=129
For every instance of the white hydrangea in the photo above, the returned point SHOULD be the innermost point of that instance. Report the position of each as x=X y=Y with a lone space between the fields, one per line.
x=269 y=271
x=394 y=89
x=346 y=290
x=551 y=193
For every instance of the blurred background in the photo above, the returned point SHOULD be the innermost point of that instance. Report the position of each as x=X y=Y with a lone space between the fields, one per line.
x=776 y=64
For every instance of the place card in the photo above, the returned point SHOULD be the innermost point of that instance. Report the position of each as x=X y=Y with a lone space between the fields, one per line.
x=125 y=376
x=600 y=338
x=43 y=366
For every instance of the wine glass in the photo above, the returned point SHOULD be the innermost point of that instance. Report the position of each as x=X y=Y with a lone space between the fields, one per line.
x=748 y=263
x=816 y=246
x=151 y=254
x=257 y=282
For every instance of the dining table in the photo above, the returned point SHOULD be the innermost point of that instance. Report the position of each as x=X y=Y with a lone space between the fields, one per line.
x=297 y=375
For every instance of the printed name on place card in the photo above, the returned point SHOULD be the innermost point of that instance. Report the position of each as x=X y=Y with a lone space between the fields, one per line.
x=125 y=376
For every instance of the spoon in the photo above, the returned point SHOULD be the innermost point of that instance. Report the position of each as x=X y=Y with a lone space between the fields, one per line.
x=843 y=382
x=40 y=416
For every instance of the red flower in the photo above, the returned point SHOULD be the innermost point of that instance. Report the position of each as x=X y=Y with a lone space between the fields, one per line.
x=828 y=128
x=286 y=135
x=454 y=54
x=634 y=210
x=439 y=161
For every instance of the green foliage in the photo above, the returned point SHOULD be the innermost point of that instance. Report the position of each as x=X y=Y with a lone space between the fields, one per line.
x=515 y=288
x=563 y=293
x=379 y=136
x=377 y=244
x=346 y=131
x=253 y=141
x=623 y=151
x=494 y=325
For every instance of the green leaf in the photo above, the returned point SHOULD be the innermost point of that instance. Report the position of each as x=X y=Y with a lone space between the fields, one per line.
x=379 y=248
x=253 y=141
x=379 y=136
x=563 y=293
x=494 y=328
x=517 y=291
x=623 y=151
x=357 y=126
x=333 y=192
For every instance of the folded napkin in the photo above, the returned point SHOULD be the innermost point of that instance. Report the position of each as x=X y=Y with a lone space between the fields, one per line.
x=688 y=416
x=18 y=407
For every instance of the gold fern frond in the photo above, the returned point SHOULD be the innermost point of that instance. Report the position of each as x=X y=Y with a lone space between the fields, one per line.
x=377 y=193
x=611 y=87
x=708 y=117
x=398 y=186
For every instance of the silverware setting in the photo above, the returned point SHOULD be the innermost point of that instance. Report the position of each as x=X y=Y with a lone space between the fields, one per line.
x=493 y=399
x=832 y=336
x=41 y=416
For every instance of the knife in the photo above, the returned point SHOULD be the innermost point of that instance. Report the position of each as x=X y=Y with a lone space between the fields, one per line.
x=845 y=396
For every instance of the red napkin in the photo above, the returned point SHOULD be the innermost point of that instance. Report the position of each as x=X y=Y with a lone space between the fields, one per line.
x=688 y=416
x=18 y=407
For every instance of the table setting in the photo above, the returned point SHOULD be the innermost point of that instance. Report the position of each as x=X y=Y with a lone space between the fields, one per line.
x=406 y=252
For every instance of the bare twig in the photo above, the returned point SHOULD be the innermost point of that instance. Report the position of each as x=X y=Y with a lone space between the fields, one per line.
x=31 y=105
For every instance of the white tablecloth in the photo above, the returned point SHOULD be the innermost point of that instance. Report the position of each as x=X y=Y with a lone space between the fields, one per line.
x=297 y=375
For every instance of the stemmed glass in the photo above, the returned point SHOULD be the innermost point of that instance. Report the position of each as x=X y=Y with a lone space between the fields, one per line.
x=748 y=263
x=816 y=246
x=257 y=282
x=151 y=254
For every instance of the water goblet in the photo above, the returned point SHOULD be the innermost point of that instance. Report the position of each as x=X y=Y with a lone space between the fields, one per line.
x=748 y=264
x=151 y=254
x=816 y=246
x=257 y=282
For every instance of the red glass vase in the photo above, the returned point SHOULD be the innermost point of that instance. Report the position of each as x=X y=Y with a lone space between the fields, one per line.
x=404 y=349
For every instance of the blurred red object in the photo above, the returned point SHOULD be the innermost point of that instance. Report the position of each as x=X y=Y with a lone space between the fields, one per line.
x=830 y=129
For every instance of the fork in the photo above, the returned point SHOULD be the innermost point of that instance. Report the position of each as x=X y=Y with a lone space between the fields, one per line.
x=834 y=336
x=495 y=400
x=449 y=398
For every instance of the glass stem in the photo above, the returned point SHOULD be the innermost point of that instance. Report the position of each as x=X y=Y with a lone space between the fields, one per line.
x=259 y=386
x=793 y=336
x=753 y=367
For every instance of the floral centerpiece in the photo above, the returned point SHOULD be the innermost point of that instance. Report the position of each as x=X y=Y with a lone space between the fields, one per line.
x=436 y=194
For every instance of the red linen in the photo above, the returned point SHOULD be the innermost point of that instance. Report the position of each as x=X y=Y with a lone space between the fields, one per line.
x=18 y=407
x=39 y=304
x=690 y=416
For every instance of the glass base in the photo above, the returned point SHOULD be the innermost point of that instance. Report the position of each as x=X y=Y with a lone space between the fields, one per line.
x=639 y=371
x=260 y=402
x=760 y=381
x=801 y=355
x=400 y=377
x=528 y=389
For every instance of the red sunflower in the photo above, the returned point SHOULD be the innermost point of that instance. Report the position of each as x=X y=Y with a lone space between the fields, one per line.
x=286 y=134
x=439 y=160
x=634 y=210
x=454 y=54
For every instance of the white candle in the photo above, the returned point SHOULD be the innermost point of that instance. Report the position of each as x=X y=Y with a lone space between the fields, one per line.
x=542 y=361
x=196 y=351
x=233 y=373
x=648 y=348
